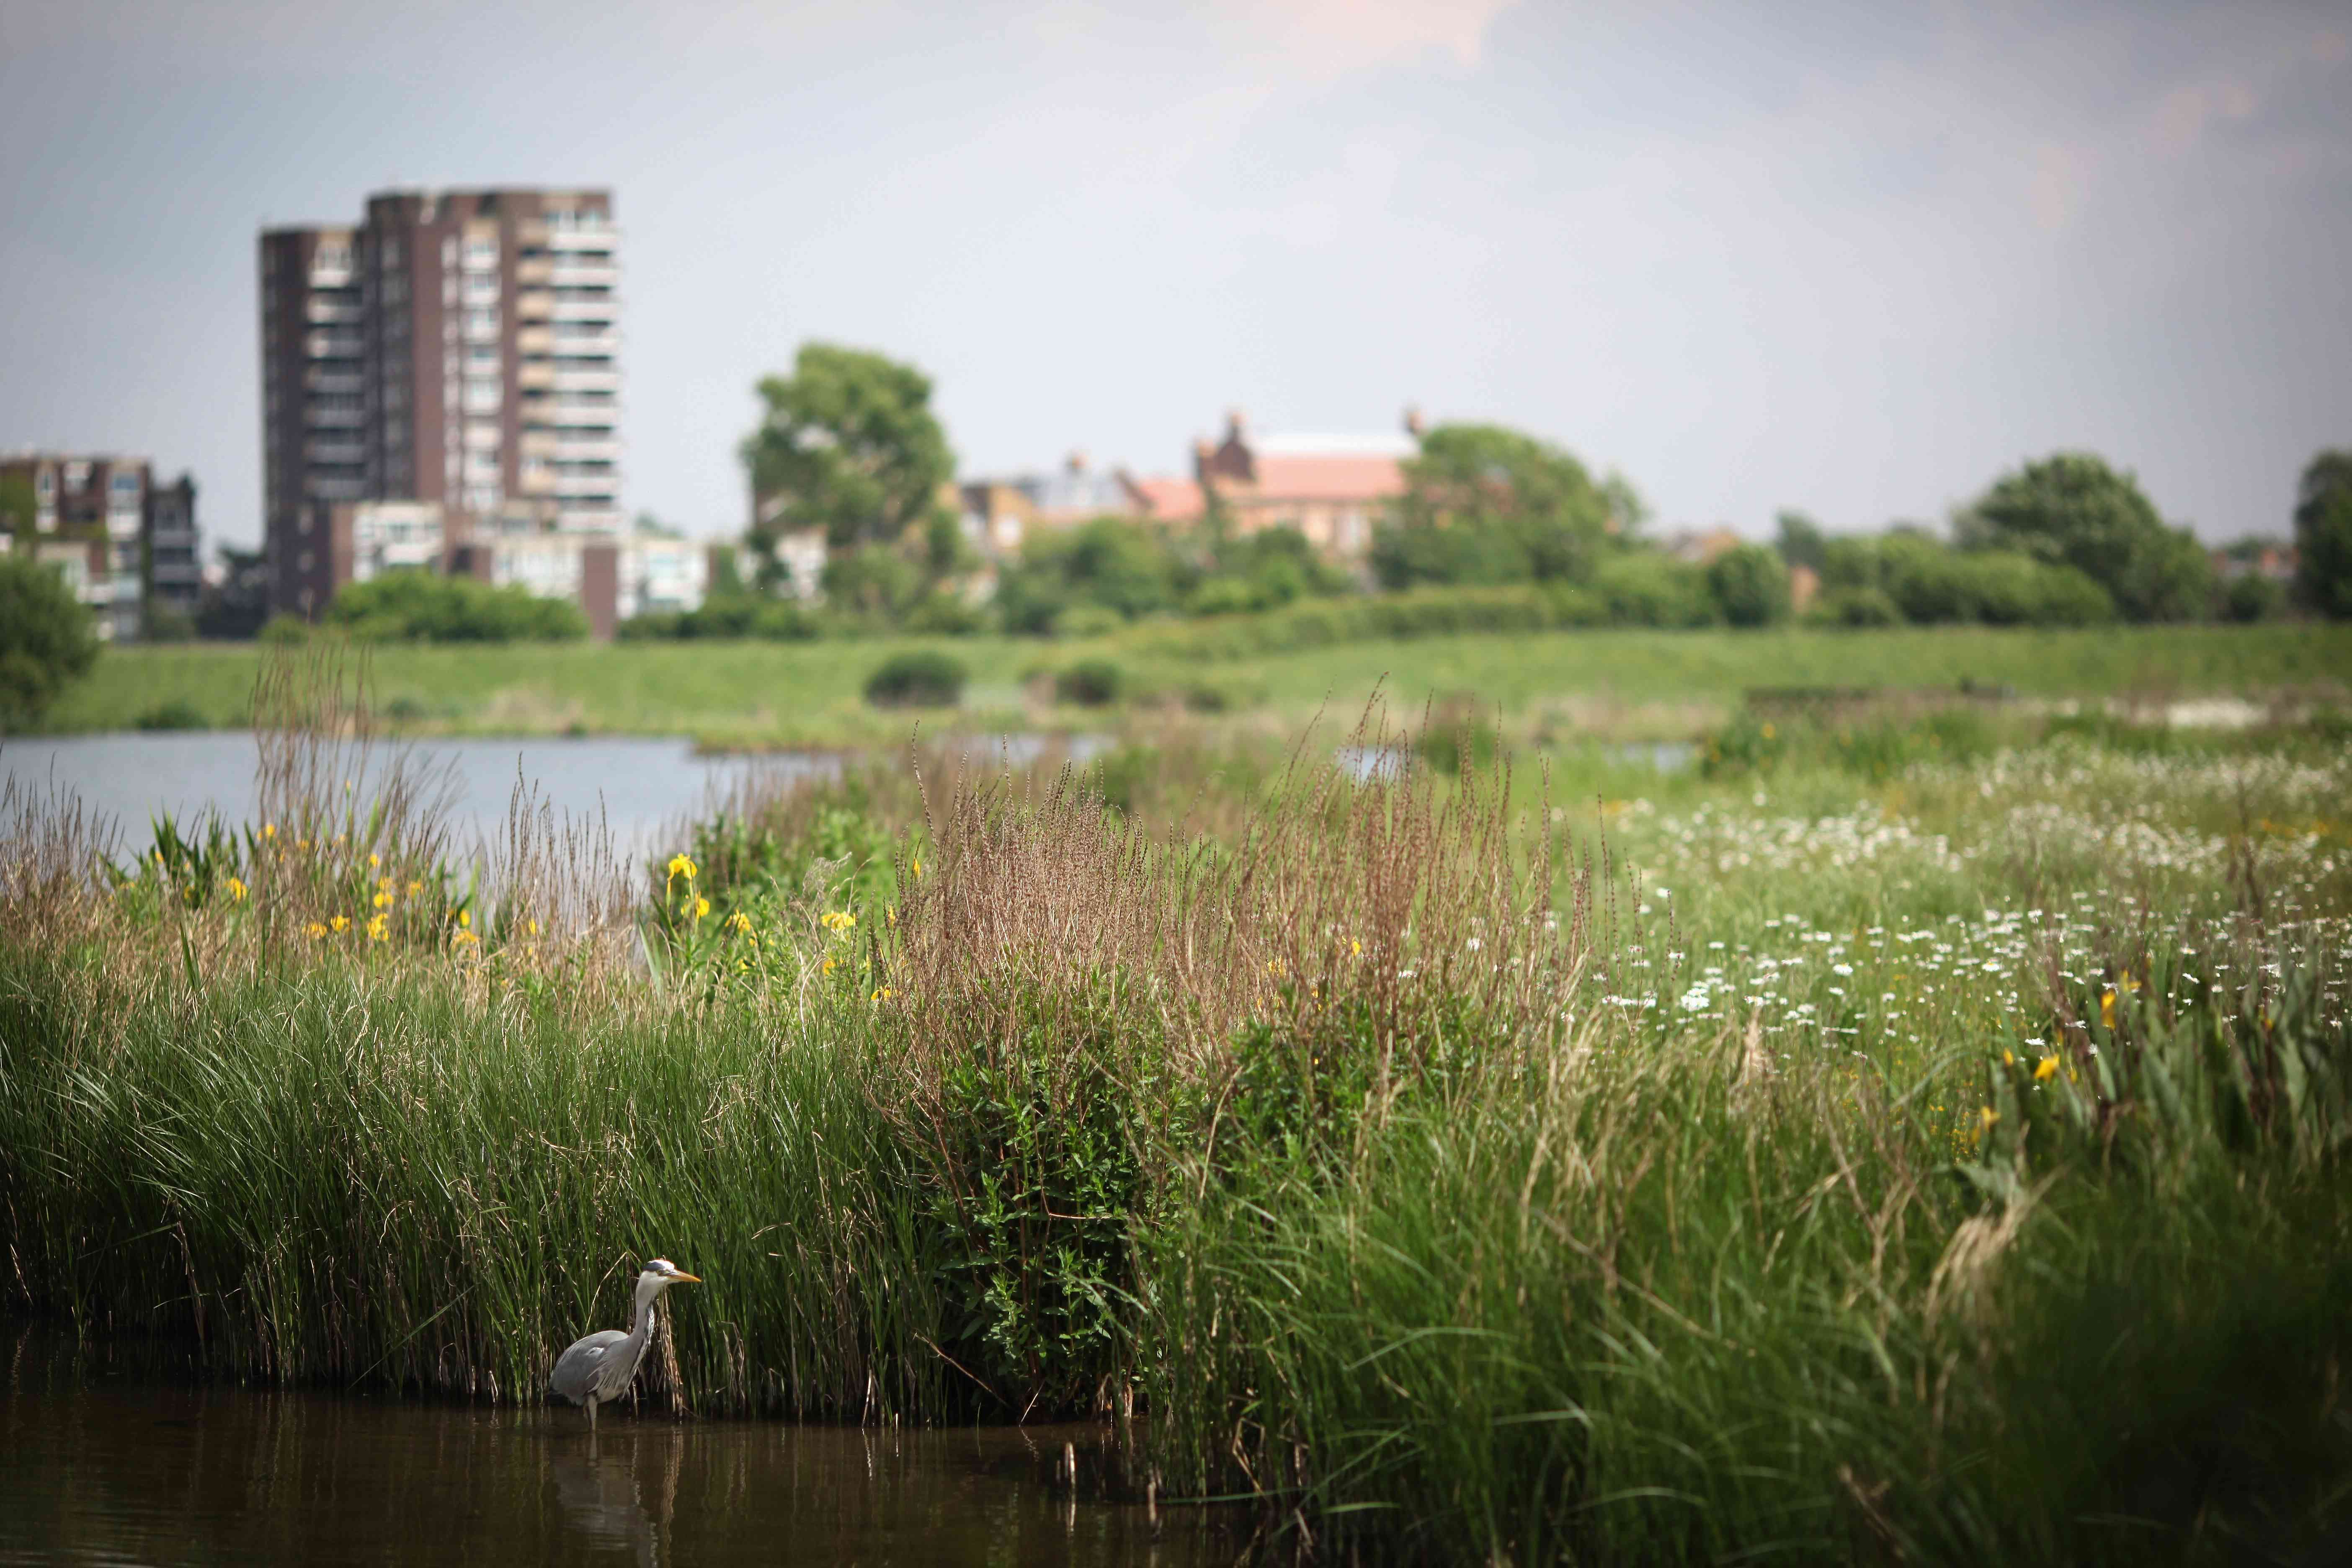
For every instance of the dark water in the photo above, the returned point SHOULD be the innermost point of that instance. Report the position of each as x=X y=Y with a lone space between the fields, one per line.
x=98 y=1466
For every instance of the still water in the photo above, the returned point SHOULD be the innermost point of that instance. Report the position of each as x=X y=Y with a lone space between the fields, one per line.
x=638 y=785
x=98 y=1466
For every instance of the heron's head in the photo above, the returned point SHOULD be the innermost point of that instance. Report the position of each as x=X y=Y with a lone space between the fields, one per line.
x=667 y=1273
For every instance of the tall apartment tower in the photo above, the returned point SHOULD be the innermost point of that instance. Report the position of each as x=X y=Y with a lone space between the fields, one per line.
x=459 y=347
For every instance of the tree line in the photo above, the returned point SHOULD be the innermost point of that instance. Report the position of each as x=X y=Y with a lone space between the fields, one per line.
x=849 y=448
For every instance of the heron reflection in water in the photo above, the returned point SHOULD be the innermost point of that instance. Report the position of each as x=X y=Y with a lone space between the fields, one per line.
x=599 y=1369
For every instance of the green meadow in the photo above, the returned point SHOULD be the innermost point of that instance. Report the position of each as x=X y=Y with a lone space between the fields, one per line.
x=1613 y=683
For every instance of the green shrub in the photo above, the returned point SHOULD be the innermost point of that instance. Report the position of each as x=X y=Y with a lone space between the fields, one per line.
x=423 y=606
x=1749 y=584
x=738 y=614
x=172 y=713
x=943 y=614
x=1854 y=608
x=1086 y=619
x=921 y=678
x=1642 y=588
x=1090 y=683
x=2249 y=597
x=284 y=630
x=45 y=639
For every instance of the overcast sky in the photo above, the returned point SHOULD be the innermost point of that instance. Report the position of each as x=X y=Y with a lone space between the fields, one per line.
x=1854 y=258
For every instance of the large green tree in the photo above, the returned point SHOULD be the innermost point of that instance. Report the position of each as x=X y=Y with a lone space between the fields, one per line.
x=2073 y=509
x=1484 y=504
x=848 y=443
x=2323 y=536
x=45 y=639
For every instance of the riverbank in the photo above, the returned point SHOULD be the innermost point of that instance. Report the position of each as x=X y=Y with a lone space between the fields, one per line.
x=1612 y=685
x=1941 y=1157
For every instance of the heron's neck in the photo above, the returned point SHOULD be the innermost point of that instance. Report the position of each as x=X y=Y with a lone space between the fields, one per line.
x=648 y=1292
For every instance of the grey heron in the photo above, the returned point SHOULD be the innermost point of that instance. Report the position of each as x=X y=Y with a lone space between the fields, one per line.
x=599 y=1369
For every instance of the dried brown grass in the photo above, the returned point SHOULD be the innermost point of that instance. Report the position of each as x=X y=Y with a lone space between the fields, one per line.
x=1395 y=895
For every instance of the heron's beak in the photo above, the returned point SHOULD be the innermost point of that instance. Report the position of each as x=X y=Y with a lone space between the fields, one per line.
x=683 y=1277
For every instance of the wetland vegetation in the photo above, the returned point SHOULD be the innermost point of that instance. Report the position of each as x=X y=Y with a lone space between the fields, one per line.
x=1907 y=1135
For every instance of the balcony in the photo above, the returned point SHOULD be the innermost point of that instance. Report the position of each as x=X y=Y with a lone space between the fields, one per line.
x=600 y=312
x=587 y=487
x=325 y=487
x=339 y=452
x=583 y=380
x=335 y=346
x=579 y=273
x=318 y=418
x=535 y=375
x=323 y=378
x=546 y=411
x=333 y=310
x=606 y=343
x=533 y=269
x=534 y=341
x=534 y=305
x=584 y=242
x=575 y=450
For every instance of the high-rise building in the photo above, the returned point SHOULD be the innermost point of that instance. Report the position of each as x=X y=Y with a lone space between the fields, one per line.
x=459 y=347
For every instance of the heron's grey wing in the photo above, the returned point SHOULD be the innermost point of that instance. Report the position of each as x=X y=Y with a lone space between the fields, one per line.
x=574 y=1377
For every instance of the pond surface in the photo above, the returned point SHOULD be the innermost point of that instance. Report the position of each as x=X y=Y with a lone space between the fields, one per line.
x=98 y=1466
x=638 y=784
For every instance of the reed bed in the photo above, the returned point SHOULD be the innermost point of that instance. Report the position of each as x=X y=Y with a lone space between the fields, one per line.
x=1935 y=1165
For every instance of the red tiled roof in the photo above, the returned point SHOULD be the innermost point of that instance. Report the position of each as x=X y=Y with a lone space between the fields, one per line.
x=1341 y=476
x=1170 y=499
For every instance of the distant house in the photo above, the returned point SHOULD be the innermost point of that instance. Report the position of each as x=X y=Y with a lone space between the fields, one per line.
x=1171 y=499
x=2272 y=558
x=1001 y=514
x=125 y=541
x=1699 y=548
x=612 y=575
x=1332 y=488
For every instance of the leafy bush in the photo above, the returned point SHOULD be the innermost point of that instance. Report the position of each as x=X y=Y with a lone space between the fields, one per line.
x=921 y=678
x=2323 y=536
x=2073 y=509
x=1084 y=620
x=172 y=713
x=1116 y=568
x=1090 y=683
x=45 y=639
x=423 y=606
x=2251 y=596
x=1642 y=588
x=739 y=613
x=944 y=614
x=1486 y=504
x=1749 y=585
x=1856 y=608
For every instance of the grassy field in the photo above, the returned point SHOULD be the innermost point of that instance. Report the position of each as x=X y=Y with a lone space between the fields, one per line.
x=1619 y=684
x=1925 y=1139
